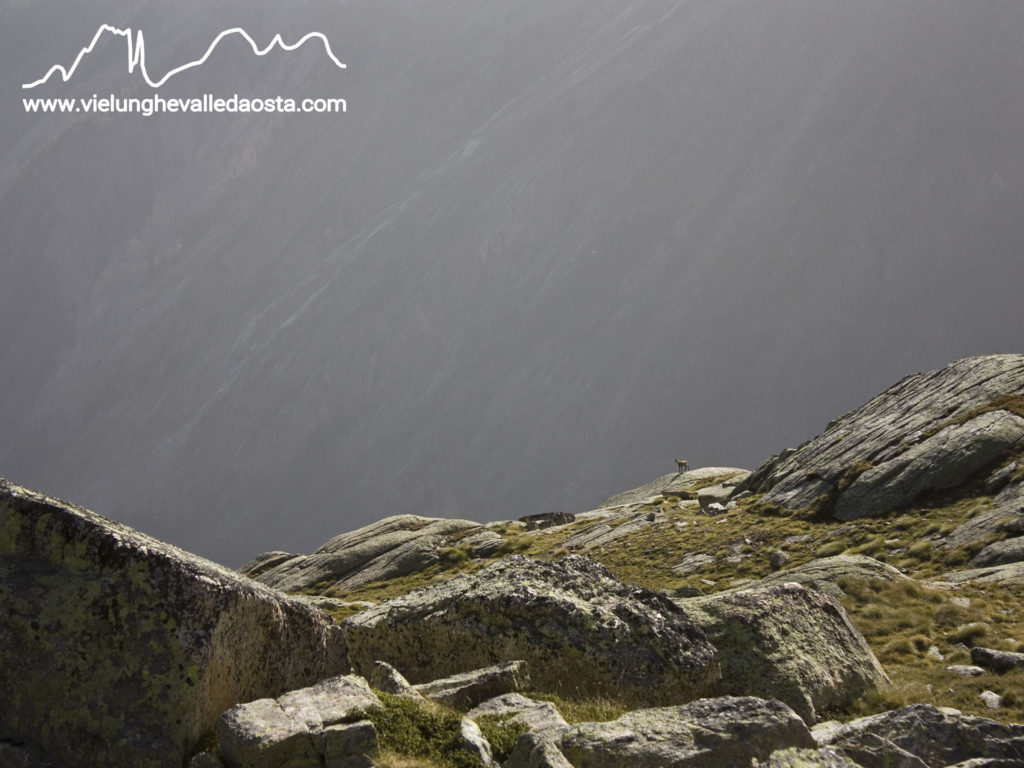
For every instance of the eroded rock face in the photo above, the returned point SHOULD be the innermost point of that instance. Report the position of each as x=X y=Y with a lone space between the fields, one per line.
x=787 y=642
x=938 y=737
x=709 y=733
x=120 y=650
x=392 y=547
x=580 y=630
x=930 y=431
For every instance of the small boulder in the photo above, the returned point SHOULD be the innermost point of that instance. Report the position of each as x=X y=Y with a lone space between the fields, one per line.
x=466 y=690
x=386 y=678
x=965 y=670
x=997 y=661
x=472 y=741
x=581 y=631
x=547 y=520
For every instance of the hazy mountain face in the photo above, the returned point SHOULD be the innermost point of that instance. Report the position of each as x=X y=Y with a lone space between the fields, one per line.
x=552 y=246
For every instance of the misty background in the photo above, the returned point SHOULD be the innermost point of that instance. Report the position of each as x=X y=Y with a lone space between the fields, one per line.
x=552 y=246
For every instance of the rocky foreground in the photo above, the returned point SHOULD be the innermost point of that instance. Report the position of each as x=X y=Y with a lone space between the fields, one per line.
x=824 y=610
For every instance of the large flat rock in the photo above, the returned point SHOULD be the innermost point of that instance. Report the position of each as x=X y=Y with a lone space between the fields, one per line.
x=117 y=649
x=581 y=631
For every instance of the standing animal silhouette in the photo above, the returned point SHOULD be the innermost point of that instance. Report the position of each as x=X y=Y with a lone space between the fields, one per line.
x=682 y=465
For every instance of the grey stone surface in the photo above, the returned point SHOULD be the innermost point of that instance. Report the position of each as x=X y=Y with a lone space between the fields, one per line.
x=715 y=494
x=1011 y=573
x=787 y=642
x=939 y=737
x=536 y=751
x=387 y=549
x=675 y=483
x=467 y=689
x=944 y=460
x=870 y=750
x=117 y=649
x=293 y=729
x=997 y=661
x=472 y=741
x=1005 y=515
x=539 y=716
x=581 y=631
x=385 y=677
x=965 y=670
x=547 y=520
x=265 y=561
x=708 y=733
x=805 y=758
x=692 y=562
x=1000 y=553
x=606 y=531
x=348 y=745
x=917 y=436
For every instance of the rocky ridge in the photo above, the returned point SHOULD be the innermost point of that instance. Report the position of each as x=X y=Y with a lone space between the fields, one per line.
x=759 y=617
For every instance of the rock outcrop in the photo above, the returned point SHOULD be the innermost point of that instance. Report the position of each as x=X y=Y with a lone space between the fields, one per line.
x=937 y=737
x=540 y=717
x=931 y=431
x=307 y=728
x=120 y=650
x=787 y=642
x=709 y=733
x=677 y=483
x=466 y=690
x=580 y=631
x=392 y=547
x=827 y=574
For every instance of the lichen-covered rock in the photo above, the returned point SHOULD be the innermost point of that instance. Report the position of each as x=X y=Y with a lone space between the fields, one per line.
x=787 y=642
x=120 y=650
x=392 y=547
x=930 y=431
x=806 y=758
x=467 y=689
x=709 y=733
x=538 y=716
x=939 y=737
x=301 y=727
x=581 y=631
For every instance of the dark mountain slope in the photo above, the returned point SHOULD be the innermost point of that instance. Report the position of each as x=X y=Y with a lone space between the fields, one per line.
x=551 y=245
